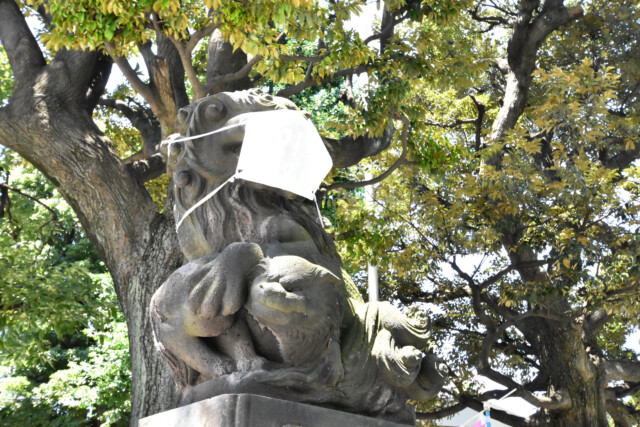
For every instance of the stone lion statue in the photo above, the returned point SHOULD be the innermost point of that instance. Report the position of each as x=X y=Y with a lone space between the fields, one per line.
x=263 y=305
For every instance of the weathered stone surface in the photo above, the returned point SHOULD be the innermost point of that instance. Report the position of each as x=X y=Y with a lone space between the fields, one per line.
x=264 y=306
x=250 y=410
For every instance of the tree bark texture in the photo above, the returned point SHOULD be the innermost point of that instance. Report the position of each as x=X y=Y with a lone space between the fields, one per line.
x=47 y=123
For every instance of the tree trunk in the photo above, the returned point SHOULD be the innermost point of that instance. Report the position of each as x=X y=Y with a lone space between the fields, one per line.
x=46 y=124
x=567 y=365
x=153 y=388
x=222 y=60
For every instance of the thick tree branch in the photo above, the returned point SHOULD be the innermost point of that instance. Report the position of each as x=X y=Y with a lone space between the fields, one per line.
x=400 y=161
x=227 y=68
x=24 y=55
x=625 y=370
x=130 y=74
x=620 y=413
x=559 y=400
x=522 y=49
x=482 y=109
x=622 y=159
x=98 y=83
x=199 y=90
x=147 y=169
x=594 y=322
x=626 y=389
x=199 y=34
x=142 y=119
x=466 y=401
x=386 y=30
x=214 y=85
x=349 y=151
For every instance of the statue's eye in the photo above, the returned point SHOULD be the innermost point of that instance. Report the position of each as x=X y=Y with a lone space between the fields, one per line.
x=233 y=147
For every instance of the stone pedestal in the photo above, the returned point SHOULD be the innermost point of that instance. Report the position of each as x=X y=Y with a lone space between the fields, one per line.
x=250 y=410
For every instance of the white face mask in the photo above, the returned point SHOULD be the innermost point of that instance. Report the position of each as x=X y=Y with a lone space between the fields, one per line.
x=280 y=149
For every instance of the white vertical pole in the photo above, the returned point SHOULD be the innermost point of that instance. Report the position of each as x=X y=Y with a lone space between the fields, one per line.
x=372 y=270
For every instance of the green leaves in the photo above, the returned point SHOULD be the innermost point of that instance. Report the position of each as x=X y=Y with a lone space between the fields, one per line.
x=64 y=348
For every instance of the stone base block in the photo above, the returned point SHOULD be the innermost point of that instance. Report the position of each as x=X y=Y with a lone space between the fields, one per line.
x=250 y=410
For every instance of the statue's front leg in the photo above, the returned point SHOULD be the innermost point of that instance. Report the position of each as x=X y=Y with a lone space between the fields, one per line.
x=191 y=350
x=211 y=305
x=200 y=301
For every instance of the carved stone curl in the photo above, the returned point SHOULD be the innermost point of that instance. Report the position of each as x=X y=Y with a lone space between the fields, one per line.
x=263 y=305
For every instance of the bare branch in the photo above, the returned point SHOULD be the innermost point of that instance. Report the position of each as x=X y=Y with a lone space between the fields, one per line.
x=400 y=161
x=441 y=413
x=54 y=214
x=492 y=20
x=309 y=59
x=504 y=10
x=309 y=81
x=456 y=123
x=524 y=264
x=142 y=119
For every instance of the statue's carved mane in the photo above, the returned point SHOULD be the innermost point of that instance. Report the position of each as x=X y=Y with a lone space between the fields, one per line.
x=238 y=212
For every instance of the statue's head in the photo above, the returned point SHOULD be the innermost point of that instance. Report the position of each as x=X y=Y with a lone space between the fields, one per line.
x=241 y=211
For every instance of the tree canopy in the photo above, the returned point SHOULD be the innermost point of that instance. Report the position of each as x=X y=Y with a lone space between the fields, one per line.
x=503 y=137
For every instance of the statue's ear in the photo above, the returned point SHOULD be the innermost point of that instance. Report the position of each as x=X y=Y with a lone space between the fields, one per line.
x=181 y=119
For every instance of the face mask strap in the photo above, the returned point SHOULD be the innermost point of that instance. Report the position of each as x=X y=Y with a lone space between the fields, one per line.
x=315 y=199
x=204 y=199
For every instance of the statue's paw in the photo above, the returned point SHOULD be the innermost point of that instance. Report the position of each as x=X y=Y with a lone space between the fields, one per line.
x=410 y=357
x=218 y=366
x=430 y=379
x=250 y=364
x=399 y=366
x=223 y=290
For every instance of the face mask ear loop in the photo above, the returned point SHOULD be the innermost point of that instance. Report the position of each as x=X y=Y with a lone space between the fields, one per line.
x=213 y=193
x=204 y=199
x=200 y=135
x=315 y=199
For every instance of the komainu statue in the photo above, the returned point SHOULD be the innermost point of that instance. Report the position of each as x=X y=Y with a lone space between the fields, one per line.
x=263 y=305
